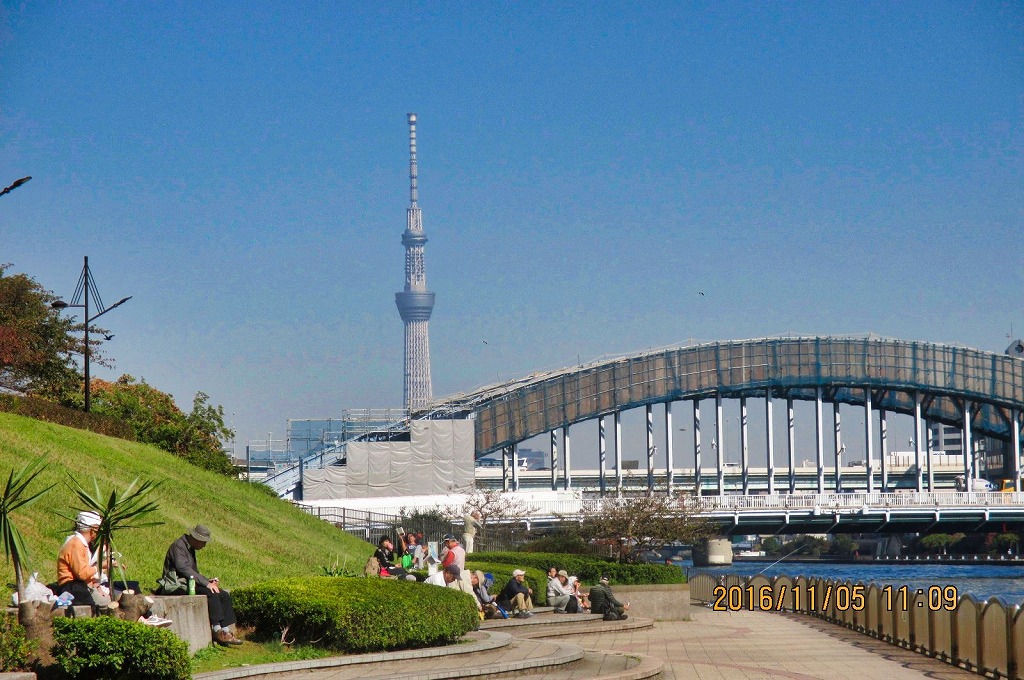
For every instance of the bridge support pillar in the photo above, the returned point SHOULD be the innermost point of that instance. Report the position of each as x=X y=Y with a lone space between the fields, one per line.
x=869 y=441
x=618 y=453
x=696 y=447
x=504 y=468
x=840 y=448
x=515 y=467
x=650 y=449
x=917 y=439
x=669 y=466
x=712 y=552
x=744 y=448
x=567 y=466
x=602 y=454
x=554 y=460
x=791 y=427
x=883 y=434
x=820 y=440
x=928 y=453
x=1015 y=442
x=968 y=447
x=718 y=444
x=769 y=426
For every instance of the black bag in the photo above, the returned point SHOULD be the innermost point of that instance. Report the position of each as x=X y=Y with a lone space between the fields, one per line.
x=611 y=615
x=573 y=607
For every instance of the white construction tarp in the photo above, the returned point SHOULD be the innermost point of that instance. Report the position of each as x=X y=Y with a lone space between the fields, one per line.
x=323 y=484
x=438 y=459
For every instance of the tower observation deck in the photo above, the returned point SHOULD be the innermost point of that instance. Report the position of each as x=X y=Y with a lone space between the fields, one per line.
x=415 y=303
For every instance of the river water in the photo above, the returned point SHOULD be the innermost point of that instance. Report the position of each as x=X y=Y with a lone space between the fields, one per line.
x=981 y=581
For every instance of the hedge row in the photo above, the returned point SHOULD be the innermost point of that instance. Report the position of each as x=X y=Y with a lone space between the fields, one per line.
x=502 y=573
x=106 y=647
x=43 y=409
x=355 y=614
x=588 y=569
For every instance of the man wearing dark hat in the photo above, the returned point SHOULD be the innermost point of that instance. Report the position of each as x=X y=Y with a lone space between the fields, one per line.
x=602 y=601
x=180 y=565
x=453 y=553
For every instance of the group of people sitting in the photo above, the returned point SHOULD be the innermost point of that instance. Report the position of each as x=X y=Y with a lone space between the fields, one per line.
x=81 y=580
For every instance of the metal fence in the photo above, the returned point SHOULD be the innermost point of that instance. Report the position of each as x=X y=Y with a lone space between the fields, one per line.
x=984 y=637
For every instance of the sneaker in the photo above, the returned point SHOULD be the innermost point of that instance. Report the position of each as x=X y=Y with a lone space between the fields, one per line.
x=155 y=621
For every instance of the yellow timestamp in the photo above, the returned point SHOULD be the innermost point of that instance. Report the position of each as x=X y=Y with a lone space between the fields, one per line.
x=841 y=597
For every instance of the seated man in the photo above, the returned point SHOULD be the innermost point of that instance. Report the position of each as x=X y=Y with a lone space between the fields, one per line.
x=602 y=601
x=558 y=591
x=515 y=596
x=453 y=553
x=180 y=564
x=451 y=577
x=76 y=566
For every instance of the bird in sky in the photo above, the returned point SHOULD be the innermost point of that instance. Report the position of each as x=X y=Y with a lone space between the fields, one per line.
x=108 y=337
x=701 y=293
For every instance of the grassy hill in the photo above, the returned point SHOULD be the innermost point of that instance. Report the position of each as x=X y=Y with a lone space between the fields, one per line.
x=255 y=536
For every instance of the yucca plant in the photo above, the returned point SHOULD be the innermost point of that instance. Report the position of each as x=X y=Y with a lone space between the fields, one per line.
x=117 y=512
x=15 y=496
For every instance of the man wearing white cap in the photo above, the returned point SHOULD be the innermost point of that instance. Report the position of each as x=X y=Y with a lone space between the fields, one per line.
x=76 y=571
x=515 y=596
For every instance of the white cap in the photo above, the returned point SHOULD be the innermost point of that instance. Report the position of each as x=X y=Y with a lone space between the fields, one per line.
x=87 y=520
x=518 y=572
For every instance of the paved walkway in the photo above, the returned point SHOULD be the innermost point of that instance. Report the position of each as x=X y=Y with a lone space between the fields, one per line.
x=748 y=645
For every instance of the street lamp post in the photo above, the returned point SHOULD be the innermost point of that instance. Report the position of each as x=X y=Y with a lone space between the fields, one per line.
x=85 y=284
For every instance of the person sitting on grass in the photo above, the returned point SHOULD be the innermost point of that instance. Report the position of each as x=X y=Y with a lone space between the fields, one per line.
x=515 y=596
x=385 y=555
x=180 y=564
x=76 y=565
x=602 y=601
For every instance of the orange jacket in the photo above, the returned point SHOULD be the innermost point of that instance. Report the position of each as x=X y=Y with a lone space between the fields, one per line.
x=74 y=561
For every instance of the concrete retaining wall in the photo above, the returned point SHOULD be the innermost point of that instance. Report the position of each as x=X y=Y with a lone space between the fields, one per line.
x=190 y=616
x=659 y=602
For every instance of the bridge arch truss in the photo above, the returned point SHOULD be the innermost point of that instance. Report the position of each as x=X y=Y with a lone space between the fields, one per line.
x=980 y=392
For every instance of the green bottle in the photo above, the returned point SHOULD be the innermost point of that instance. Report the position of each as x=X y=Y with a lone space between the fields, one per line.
x=191 y=585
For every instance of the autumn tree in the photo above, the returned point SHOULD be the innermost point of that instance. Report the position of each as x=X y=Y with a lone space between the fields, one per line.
x=155 y=419
x=636 y=525
x=494 y=506
x=38 y=346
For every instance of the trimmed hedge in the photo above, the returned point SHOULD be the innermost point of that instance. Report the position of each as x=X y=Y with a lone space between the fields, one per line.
x=107 y=647
x=502 y=573
x=355 y=614
x=44 y=409
x=15 y=649
x=587 y=569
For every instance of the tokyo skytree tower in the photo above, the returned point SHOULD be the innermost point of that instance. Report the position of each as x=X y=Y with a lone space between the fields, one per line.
x=415 y=303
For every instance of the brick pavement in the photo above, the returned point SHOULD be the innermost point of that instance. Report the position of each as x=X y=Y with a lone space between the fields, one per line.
x=750 y=645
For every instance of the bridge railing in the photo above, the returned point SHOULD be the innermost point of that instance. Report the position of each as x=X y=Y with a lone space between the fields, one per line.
x=847 y=501
x=986 y=637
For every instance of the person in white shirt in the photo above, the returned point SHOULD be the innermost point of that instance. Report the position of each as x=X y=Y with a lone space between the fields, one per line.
x=558 y=591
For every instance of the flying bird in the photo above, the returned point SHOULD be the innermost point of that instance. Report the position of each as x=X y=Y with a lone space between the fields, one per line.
x=108 y=337
x=701 y=293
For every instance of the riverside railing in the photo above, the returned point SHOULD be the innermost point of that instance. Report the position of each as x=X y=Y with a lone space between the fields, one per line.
x=985 y=637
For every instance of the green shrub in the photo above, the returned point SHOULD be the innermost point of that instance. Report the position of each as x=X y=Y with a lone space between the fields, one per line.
x=355 y=614
x=50 y=411
x=588 y=569
x=106 y=647
x=14 y=648
x=502 y=573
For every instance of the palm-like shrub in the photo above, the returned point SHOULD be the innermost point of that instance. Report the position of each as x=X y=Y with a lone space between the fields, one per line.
x=14 y=497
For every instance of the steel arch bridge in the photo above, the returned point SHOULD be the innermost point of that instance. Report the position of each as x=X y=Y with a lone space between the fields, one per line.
x=980 y=392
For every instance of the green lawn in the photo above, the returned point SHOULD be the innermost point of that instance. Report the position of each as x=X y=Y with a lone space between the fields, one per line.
x=255 y=536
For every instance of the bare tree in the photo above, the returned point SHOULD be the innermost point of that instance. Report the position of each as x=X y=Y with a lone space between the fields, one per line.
x=635 y=525
x=495 y=506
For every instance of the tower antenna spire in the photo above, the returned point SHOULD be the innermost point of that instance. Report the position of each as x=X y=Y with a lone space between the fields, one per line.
x=415 y=303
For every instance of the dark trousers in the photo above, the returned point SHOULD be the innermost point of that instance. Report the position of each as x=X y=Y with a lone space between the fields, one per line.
x=218 y=605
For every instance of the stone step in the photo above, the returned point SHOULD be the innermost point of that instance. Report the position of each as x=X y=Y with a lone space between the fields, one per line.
x=606 y=666
x=558 y=625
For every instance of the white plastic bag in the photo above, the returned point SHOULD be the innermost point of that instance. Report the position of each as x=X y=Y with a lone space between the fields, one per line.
x=38 y=592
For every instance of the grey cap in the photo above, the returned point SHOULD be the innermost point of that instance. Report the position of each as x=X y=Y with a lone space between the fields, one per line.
x=200 y=533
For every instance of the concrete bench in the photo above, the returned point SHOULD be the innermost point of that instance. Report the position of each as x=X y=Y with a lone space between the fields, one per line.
x=190 y=617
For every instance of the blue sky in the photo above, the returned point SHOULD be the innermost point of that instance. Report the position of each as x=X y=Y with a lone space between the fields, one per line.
x=585 y=171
